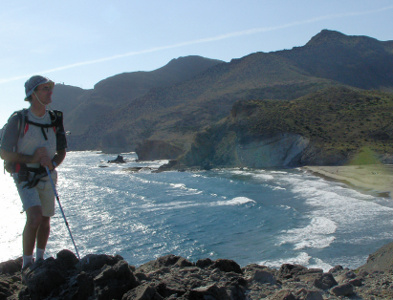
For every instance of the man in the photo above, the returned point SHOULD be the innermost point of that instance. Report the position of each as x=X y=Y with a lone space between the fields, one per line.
x=40 y=143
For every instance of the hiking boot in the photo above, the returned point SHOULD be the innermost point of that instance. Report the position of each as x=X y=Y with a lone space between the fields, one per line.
x=37 y=264
x=29 y=268
x=25 y=272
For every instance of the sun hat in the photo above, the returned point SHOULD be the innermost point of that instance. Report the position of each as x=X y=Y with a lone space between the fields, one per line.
x=33 y=82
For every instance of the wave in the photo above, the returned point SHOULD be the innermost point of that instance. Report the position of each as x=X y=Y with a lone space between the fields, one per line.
x=235 y=201
x=318 y=234
x=302 y=259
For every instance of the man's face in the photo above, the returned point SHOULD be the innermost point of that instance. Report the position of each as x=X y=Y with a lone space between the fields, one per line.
x=44 y=92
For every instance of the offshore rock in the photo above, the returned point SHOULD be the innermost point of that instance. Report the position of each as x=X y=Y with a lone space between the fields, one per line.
x=118 y=160
x=174 y=277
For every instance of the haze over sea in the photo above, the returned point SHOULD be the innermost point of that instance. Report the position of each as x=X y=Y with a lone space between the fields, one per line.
x=267 y=217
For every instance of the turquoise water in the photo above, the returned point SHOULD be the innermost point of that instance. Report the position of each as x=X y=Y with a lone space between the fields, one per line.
x=268 y=217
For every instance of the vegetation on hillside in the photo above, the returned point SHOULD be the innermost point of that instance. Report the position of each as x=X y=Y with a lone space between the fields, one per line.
x=335 y=119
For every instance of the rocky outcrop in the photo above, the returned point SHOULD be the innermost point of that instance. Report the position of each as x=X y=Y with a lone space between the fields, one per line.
x=281 y=150
x=155 y=150
x=99 y=276
x=223 y=147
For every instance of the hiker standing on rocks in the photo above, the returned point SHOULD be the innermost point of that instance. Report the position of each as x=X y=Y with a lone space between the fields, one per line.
x=34 y=139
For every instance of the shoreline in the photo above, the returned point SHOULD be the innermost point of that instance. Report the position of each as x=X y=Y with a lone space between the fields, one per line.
x=375 y=179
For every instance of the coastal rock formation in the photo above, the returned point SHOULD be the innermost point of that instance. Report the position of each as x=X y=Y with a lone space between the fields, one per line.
x=279 y=150
x=118 y=160
x=155 y=150
x=328 y=127
x=99 y=276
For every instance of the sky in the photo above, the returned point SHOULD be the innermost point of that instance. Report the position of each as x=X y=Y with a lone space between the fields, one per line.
x=80 y=43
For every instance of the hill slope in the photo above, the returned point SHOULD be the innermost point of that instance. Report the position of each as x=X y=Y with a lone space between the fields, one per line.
x=173 y=113
x=327 y=127
x=110 y=94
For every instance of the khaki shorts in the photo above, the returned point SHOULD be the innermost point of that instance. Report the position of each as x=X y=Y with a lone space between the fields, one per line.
x=40 y=195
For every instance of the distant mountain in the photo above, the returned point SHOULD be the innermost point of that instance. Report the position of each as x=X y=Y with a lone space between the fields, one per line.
x=173 y=103
x=357 y=61
x=83 y=108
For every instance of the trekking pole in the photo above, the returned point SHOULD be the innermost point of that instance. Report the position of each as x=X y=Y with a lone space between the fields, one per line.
x=61 y=209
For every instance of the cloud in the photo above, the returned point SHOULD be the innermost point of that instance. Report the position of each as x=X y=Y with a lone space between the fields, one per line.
x=230 y=35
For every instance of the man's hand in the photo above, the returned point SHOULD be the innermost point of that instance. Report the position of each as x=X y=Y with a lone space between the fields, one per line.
x=44 y=159
x=40 y=155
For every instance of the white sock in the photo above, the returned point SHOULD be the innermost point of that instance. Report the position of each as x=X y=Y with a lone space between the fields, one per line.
x=39 y=253
x=27 y=260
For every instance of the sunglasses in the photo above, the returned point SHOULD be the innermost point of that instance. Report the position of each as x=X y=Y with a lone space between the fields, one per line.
x=47 y=88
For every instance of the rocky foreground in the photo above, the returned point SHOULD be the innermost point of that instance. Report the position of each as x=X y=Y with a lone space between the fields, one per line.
x=174 y=277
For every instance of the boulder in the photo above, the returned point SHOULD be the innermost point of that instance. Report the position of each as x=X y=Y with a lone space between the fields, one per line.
x=345 y=289
x=227 y=265
x=114 y=281
x=11 y=266
x=325 y=281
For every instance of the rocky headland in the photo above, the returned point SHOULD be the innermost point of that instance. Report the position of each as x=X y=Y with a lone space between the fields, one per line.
x=99 y=276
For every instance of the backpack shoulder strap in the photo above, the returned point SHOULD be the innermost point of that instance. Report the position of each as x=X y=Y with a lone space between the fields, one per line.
x=56 y=118
x=23 y=120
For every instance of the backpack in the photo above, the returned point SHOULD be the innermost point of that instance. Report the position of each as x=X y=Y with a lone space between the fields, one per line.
x=24 y=123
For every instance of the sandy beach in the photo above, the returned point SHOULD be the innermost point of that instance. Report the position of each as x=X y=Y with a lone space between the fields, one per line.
x=374 y=179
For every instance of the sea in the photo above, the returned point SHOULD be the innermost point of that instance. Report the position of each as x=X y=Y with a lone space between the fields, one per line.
x=252 y=216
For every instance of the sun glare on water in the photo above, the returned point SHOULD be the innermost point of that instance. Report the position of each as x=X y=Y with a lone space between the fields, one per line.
x=11 y=219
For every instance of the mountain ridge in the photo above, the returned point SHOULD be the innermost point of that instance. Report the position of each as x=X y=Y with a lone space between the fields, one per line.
x=175 y=112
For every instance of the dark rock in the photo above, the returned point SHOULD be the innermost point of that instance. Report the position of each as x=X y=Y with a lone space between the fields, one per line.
x=118 y=160
x=336 y=269
x=204 y=263
x=166 y=290
x=227 y=265
x=142 y=292
x=262 y=276
x=325 y=281
x=11 y=266
x=134 y=169
x=171 y=165
x=288 y=271
x=114 y=281
x=165 y=261
x=45 y=278
x=173 y=277
x=342 y=290
x=208 y=292
x=5 y=289
x=96 y=261
x=80 y=286
x=67 y=258
x=309 y=295
x=283 y=295
x=355 y=282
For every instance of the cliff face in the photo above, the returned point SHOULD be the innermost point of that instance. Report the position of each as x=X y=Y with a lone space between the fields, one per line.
x=280 y=150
